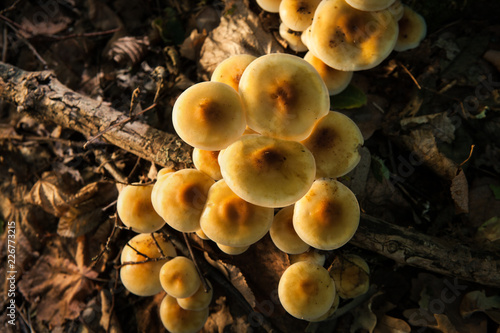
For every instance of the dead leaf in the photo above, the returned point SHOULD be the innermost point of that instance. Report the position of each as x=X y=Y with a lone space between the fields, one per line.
x=56 y=286
x=388 y=324
x=493 y=56
x=239 y=32
x=475 y=301
x=364 y=318
x=51 y=193
x=128 y=50
x=460 y=193
x=441 y=125
x=221 y=320
x=489 y=233
x=191 y=46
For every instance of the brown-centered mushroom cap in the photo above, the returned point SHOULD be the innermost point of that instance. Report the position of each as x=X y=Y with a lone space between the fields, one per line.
x=136 y=211
x=209 y=115
x=293 y=38
x=199 y=301
x=351 y=275
x=179 y=277
x=327 y=216
x=207 y=162
x=143 y=279
x=298 y=14
x=283 y=235
x=306 y=290
x=229 y=71
x=266 y=171
x=370 y=5
x=336 y=81
x=180 y=198
x=283 y=96
x=177 y=320
x=229 y=220
x=349 y=39
x=335 y=143
x=412 y=30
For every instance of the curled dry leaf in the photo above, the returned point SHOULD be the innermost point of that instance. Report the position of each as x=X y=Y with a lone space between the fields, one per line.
x=388 y=324
x=475 y=301
x=489 y=232
x=128 y=50
x=221 y=319
x=460 y=193
x=239 y=32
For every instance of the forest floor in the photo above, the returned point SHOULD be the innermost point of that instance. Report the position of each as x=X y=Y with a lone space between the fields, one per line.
x=431 y=166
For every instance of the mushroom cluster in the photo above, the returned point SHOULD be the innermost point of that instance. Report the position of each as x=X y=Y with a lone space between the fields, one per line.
x=149 y=262
x=343 y=36
x=265 y=140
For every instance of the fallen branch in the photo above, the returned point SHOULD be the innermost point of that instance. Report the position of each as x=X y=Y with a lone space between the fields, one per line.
x=41 y=95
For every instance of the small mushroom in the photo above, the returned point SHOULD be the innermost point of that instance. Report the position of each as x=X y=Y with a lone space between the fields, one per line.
x=209 y=115
x=266 y=171
x=199 y=301
x=335 y=143
x=283 y=235
x=201 y=234
x=336 y=81
x=293 y=38
x=330 y=312
x=229 y=220
x=178 y=320
x=229 y=71
x=412 y=30
x=351 y=275
x=180 y=197
x=142 y=279
x=306 y=290
x=207 y=162
x=283 y=96
x=298 y=14
x=349 y=39
x=396 y=9
x=179 y=277
x=136 y=211
x=327 y=216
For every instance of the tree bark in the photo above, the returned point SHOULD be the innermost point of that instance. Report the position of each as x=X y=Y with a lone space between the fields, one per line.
x=42 y=96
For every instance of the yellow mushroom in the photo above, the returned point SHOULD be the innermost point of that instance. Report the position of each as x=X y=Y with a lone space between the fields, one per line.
x=336 y=81
x=207 y=162
x=370 y=5
x=179 y=277
x=293 y=38
x=351 y=275
x=298 y=14
x=412 y=30
x=229 y=71
x=199 y=300
x=178 y=320
x=283 y=235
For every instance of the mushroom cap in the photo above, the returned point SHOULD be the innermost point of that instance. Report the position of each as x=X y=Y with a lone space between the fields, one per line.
x=271 y=6
x=177 y=320
x=293 y=38
x=349 y=39
x=199 y=300
x=336 y=81
x=136 y=211
x=209 y=115
x=283 y=96
x=412 y=30
x=233 y=250
x=312 y=255
x=207 y=162
x=330 y=312
x=143 y=279
x=305 y=37
x=266 y=171
x=229 y=71
x=179 y=277
x=180 y=198
x=351 y=275
x=162 y=174
x=306 y=290
x=283 y=235
x=370 y=5
x=201 y=234
x=335 y=143
x=298 y=14
x=229 y=220
x=327 y=216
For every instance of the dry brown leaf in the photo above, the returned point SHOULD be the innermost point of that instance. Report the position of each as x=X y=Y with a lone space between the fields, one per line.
x=221 y=320
x=364 y=318
x=147 y=316
x=51 y=193
x=475 y=301
x=128 y=50
x=239 y=31
x=460 y=193
x=56 y=286
x=388 y=324
x=489 y=232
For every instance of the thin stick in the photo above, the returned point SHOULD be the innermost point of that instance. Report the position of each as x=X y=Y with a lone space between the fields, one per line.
x=206 y=287
x=29 y=45
x=11 y=7
x=411 y=76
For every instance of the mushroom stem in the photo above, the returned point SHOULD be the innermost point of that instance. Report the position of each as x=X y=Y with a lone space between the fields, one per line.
x=206 y=287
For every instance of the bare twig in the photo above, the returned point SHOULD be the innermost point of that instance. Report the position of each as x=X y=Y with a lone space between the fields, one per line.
x=28 y=44
x=206 y=287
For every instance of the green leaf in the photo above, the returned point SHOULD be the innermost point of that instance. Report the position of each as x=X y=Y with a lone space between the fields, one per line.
x=350 y=98
x=496 y=191
x=380 y=171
